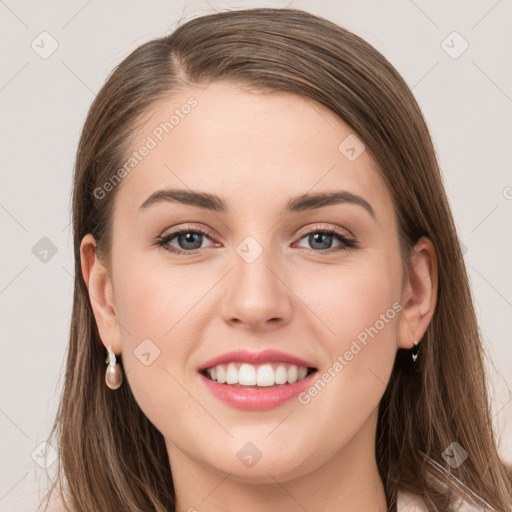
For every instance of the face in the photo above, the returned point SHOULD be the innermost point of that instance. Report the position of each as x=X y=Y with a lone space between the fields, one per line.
x=317 y=281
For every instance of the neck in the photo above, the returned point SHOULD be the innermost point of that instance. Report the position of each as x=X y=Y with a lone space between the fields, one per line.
x=348 y=481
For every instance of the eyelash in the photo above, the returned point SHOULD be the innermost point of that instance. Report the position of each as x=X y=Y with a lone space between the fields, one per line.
x=347 y=243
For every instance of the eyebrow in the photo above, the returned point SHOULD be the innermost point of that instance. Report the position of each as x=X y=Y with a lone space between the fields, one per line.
x=215 y=203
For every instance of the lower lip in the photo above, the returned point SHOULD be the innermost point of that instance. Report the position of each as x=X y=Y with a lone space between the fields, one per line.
x=256 y=399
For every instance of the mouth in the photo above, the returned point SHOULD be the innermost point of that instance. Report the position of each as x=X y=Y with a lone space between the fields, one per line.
x=240 y=374
x=256 y=381
x=256 y=387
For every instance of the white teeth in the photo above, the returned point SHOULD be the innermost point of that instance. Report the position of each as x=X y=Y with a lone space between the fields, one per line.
x=247 y=375
x=280 y=375
x=232 y=374
x=265 y=375
x=292 y=374
x=221 y=373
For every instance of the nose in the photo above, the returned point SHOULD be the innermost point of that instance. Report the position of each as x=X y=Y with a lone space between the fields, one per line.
x=256 y=294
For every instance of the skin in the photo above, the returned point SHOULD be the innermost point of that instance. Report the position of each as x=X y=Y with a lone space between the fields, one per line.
x=316 y=456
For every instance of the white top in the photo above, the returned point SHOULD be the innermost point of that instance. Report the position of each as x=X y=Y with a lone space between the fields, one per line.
x=465 y=499
x=408 y=502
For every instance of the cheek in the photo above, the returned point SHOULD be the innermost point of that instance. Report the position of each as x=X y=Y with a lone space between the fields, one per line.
x=367 y=314
x=159 y=309
x=359 y=309
x=351 y=302
x=157 y=301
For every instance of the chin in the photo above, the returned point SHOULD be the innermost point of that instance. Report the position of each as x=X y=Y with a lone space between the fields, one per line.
x=262 y=465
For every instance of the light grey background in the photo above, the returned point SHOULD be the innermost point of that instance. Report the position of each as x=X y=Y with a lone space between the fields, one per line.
x=466 y=100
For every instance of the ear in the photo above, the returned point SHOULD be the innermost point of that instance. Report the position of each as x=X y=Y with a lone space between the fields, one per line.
x=419 y=294
x=101 y=294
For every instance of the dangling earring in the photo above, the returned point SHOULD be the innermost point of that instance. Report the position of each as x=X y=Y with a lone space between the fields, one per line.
x=414 y=351
x=113 y=375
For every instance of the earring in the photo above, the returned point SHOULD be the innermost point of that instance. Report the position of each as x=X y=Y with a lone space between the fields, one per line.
x=415 y=350
x=113 y=375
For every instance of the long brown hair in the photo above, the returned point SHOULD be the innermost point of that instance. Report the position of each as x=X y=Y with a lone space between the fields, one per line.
x=111 y=456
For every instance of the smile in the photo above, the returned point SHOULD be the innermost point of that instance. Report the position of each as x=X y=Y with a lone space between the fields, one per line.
x=240 y=374
x=256 y=381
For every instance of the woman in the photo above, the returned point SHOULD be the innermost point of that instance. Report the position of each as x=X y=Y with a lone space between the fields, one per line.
x=265 y=250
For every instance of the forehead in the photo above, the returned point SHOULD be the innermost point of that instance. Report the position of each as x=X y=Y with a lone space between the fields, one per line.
x=253 y=148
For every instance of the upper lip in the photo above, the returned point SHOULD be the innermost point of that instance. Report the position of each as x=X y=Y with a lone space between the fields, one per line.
x=264 y=356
